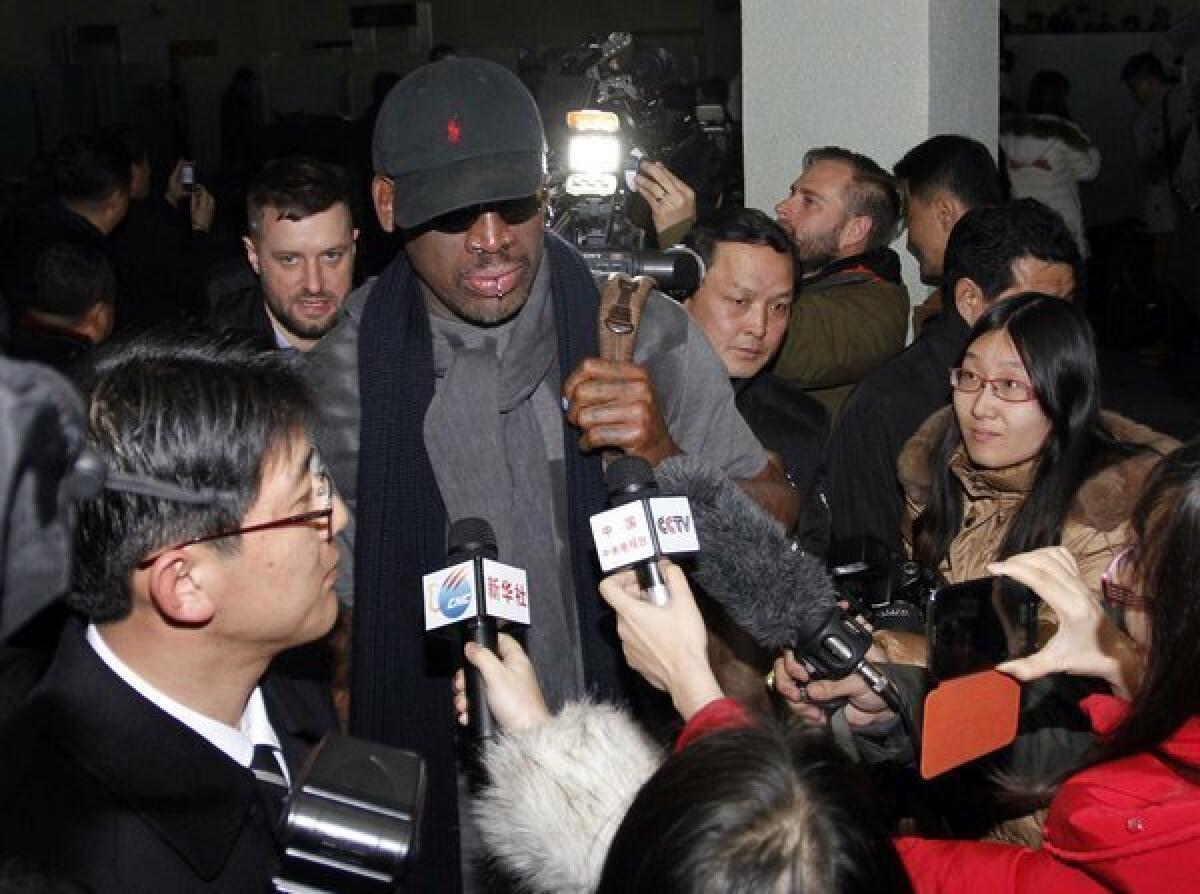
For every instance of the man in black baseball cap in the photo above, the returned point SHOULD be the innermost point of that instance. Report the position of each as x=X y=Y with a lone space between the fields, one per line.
x=464 y=382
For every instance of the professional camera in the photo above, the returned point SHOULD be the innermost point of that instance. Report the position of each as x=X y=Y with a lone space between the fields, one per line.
x=353 y=820
x=888 y=591
x=616 y=120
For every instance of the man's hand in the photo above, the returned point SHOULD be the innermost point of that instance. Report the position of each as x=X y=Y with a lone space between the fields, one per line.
x=771 y=490
x=807 y=697
x=175 y=191
x=513 y=693
x=672 y=202
x=668 y=645
x=614 y=405
x=202 y=209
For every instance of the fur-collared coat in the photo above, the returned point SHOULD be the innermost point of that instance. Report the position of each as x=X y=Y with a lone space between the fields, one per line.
x=1097 y=522
x=558 y=792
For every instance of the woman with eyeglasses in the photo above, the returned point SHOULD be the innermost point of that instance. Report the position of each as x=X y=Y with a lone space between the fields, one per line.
x=1023 y=458
x=1130 y=819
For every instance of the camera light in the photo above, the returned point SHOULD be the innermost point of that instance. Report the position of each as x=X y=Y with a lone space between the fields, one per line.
x=591 y=184
x=593 y=120
x=594 y=153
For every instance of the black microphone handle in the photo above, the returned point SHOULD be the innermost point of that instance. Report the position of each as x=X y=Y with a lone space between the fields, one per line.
x=651 y=582
x=481 y=725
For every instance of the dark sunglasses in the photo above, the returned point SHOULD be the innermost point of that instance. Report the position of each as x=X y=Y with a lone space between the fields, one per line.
x=513 y=212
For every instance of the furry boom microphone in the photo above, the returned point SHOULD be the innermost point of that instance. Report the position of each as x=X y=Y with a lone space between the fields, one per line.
x=771 y=588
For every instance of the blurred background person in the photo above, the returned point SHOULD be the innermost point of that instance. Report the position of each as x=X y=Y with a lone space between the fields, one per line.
x=1047 y=154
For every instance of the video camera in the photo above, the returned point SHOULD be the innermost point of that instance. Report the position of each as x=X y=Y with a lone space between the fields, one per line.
x=353 y=820
x=619 y=120
x=890 y=592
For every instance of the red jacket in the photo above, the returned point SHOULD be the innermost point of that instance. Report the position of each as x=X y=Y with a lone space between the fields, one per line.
x=1130 y=825
x=719 y=714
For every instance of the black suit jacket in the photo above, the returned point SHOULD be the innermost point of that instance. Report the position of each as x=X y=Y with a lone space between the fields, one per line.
x=100 y=786
x=885 y=410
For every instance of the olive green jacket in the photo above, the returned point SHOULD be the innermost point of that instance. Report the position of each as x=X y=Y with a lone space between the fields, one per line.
x=845 y=321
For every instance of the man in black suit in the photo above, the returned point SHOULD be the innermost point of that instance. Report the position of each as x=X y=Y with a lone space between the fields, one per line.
x=154 y=753
x=300 y=244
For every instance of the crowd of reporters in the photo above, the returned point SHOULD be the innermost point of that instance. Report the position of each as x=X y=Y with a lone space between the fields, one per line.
x=979 y=449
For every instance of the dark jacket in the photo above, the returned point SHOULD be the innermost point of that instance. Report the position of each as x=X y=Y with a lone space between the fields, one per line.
x=790 y=423
x=884 y=411
x=28 y=233
x=160 y=262
x=846 y=320
x=102 y=787
x=53 y=346
x=235 y=302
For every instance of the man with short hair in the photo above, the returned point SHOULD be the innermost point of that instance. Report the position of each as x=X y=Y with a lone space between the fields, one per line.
x=301 y=243
x=154 y=753
x=993 y=252
x=464 y=382
x=92 y=176
x=70 y=310
x=743 y=306
x=852 y=309
x=944 y=178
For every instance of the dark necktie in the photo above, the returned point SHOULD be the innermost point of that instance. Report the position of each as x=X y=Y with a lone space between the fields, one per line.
x=272 y=784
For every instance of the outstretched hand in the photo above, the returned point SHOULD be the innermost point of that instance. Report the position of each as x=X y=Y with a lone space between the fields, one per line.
x=668 y=645
x=513 y=693
x=1086 y=643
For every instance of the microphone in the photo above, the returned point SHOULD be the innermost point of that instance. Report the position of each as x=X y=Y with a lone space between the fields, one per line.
x=779 y=594
x=641 y=526
x=476 y=590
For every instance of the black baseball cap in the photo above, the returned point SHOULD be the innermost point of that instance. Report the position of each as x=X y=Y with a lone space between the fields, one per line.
x=455 y=133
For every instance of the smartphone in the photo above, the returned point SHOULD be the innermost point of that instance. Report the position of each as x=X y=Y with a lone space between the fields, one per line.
x=976 y=624
x=187 y=176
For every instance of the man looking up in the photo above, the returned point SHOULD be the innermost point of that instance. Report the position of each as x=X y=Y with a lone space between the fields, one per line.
x=743 y=306
x=993 y=252
x=852 y=309
x=464 y=382
x=301 y=243
x=209 y=552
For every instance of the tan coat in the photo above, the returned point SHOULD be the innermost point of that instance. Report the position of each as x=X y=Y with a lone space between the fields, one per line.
x=1097 y=523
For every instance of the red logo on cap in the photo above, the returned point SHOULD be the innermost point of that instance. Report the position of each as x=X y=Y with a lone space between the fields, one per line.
x=453 y=131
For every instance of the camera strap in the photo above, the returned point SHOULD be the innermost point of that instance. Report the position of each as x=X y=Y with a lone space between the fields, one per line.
x=621 y=303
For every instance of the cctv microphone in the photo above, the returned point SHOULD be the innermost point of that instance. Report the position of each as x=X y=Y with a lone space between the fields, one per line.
x=476 y=590
x=641 y=526
x=779 y=594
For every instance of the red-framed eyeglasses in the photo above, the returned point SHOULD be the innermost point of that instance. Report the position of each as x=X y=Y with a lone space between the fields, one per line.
x=1014 y=391
x=322 y=518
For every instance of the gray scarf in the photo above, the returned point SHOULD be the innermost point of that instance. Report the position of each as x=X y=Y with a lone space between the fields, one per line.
x=489 y=457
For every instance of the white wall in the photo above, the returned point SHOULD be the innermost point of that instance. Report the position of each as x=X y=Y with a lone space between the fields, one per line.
x=877 y=76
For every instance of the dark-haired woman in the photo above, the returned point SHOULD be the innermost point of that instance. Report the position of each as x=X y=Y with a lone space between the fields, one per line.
x=1023 y=458
x=737 y=807
x=1130 y=821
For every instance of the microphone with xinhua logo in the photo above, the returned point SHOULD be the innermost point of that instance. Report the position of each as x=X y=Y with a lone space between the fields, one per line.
x=477 y=591
x=641 y=526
